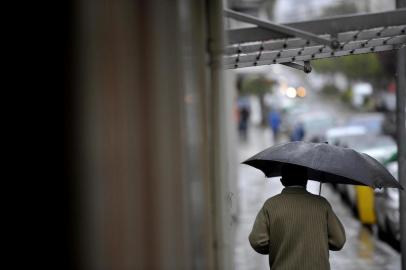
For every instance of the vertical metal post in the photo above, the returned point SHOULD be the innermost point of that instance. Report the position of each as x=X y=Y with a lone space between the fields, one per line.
x=401 y=138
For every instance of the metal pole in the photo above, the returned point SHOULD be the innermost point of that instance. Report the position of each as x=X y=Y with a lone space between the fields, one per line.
x=401 y=138
x=306 y=68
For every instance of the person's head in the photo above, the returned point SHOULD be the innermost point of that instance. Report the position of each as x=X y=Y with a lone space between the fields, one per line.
x=294 y=175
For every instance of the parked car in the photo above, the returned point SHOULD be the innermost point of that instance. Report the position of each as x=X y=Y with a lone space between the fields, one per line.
x=360 y=92
x=387 y=209
x=290 y=116
x=337 y=135
x=315 y=125
x=373 y=122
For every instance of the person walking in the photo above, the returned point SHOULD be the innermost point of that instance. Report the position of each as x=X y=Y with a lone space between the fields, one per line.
x=298 y=132
x=296 y=228
x=274 y=121
x=243 y=123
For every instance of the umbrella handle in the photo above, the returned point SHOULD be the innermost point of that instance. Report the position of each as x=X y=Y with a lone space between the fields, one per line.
x=321 y=183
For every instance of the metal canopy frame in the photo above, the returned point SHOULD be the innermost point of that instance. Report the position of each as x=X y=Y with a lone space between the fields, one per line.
x=290 y=31
x=329 y=25
x=288 y=44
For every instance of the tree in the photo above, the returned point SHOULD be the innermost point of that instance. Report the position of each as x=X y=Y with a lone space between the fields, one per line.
x=340 y=9
x=378 y=69
x=257 y=85
x=365 y=67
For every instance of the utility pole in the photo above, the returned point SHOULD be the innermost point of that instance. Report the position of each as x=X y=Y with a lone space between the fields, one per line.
x=401 y=139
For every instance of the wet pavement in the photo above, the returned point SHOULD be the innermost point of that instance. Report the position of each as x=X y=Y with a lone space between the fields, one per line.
x=362 y=250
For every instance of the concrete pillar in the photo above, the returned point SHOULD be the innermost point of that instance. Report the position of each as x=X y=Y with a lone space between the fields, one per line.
x=147 y=118
x=220 y=140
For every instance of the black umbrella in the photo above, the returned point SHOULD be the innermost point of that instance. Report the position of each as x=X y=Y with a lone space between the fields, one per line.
x=325 y=163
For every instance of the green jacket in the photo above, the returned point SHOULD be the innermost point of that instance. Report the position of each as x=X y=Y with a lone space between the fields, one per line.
x=297 y=229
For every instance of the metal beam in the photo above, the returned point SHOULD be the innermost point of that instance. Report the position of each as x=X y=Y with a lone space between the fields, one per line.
x=305 y=67
x=271 y=58
x=329 y=25
x=312 y=52
x=347 y=38
x=281 y=29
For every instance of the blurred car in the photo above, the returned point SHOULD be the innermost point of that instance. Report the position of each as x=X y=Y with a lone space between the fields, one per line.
x=360 y=92
x=280 y=102
x=373 y=122
x=387 y=208
x=315 y=125
x=386 y=101
x=380 y=147
x=290 y=116
x=336 y=135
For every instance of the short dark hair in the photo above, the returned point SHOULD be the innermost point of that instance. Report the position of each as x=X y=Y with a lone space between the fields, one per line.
x=293 y=175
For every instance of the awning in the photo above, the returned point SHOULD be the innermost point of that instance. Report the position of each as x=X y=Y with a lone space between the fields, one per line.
x=296 y=44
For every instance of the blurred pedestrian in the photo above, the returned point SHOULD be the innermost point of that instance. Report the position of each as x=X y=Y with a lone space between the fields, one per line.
x=244 y=114
x=296 y=228
x=274 y=121
x=298 y=132
x=316 y=139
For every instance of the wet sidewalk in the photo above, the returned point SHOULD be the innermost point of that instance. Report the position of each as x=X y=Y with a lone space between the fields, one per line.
x=362 y=250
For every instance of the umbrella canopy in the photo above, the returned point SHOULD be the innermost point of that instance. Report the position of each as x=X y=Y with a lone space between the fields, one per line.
x=325 y=163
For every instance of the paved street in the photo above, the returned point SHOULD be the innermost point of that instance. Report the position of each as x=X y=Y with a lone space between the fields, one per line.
x=361 y=251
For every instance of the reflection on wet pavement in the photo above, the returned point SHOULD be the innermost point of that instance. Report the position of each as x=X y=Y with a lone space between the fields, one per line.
x=366 y=245
x=362 y=250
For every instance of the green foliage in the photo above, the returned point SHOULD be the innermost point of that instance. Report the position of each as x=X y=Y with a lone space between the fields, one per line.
x=355 y=67
x=347 y=96
x=376 y=68
x=254 y=85
x=340 y=9
x=329 y=89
